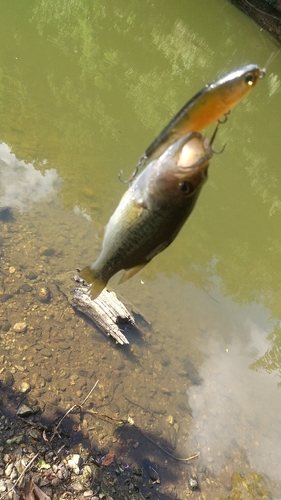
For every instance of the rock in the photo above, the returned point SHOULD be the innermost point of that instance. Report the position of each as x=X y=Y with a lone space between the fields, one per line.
x=31 y=275
x=77 y=486
x=170 y=419
x=173 y=437
x=20 y=327
x=24 y=387
x=12 y=269
x=43 y=293
x=46 y=352
x=8 y=379
x=191 y=372
x=24 y=411
x=35 y=434
x=26 y=287
x=5 y=325
x=9 y=469
x=2 y=486
x=88 y=493
x=193 y=483
x=4 y=297
x=47 y=251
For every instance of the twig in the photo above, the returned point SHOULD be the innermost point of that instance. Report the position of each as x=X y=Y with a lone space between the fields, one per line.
x=105 y=417
x=165 y=451
x=88 y=395
x=74 y=407
x=22 y=474
x=125 y=422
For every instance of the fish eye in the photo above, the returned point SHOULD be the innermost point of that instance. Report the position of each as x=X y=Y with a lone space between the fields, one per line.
x=249 y=79
x=186 y=187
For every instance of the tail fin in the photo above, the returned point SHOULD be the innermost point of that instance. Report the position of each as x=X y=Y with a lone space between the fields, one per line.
x=98 y=285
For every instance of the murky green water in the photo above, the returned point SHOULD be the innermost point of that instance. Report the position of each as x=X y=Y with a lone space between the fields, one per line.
x=84 y=89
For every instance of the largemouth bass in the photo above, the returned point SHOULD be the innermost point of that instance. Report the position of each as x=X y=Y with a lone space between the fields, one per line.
x=207 y=106
x=152 y=211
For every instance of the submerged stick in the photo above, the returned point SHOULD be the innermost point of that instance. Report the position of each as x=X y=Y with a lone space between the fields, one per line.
x=74 y=407
x=106 y=311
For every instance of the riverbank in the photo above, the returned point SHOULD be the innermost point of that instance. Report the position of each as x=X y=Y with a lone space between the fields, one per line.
x=266 y=13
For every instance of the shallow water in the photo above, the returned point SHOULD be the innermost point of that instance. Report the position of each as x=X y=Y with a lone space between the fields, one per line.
x=84 y=90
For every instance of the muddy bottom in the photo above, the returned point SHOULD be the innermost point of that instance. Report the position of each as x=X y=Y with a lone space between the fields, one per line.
x=51 y=357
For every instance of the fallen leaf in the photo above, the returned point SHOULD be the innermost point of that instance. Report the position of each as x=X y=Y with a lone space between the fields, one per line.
x=39 y=493
x=108 y=459
x=45 y=436
x=28 y=490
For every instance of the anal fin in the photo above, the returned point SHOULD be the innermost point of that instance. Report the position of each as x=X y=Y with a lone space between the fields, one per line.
x=128 y=273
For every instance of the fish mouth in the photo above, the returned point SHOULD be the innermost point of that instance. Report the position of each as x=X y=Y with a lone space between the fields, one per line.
x=190 y=151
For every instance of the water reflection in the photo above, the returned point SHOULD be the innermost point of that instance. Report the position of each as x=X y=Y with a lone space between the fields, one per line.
x=21 y=184
x=88 y=86
x=235 y=408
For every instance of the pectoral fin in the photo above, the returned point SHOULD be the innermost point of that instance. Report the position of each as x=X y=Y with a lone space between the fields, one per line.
x=128 y=273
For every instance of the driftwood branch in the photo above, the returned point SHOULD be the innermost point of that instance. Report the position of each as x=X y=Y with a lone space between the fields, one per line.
x=106 y=311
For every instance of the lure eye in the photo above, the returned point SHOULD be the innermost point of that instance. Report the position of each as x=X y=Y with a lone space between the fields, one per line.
x=249 y=79
x=186 y=187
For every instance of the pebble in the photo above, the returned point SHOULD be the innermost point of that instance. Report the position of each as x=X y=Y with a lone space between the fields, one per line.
x=12 y=269
x=72 y=465
x=47 y=251
x=24 y=387
x=193 y=483
x=88 y=493
x=26 y=287
x=46 y=352
x=9 y=469
x=2 y=486
x=5 y=326
x=170 y=419
x=20 y=327
x=24 y=411
x=43 y=294
x=9 y=379
x=31 y=275
x=77 y=486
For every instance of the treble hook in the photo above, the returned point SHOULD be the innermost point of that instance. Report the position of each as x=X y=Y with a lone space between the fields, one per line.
x=139 y=165
x=220 y=122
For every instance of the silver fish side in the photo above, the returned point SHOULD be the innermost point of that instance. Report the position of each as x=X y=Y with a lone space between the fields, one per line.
x=152 y=211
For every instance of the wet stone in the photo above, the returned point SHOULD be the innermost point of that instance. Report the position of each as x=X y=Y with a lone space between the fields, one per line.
x=191 y=372
x=77 y=486
x=46 y=352
x=31 y=275
x=173 y=437
x=193 y=483
x=43 y=294
x=9 y=379
x=35 y=434
x=46 y=251
x=165 y=360
x=20 y=327
x=5 y=325
x=25 y=411
x=4 y=297
x=26 y=287
x=24 y=387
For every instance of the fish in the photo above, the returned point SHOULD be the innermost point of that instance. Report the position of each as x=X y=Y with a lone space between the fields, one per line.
x=152 y=211
x=212 y=102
